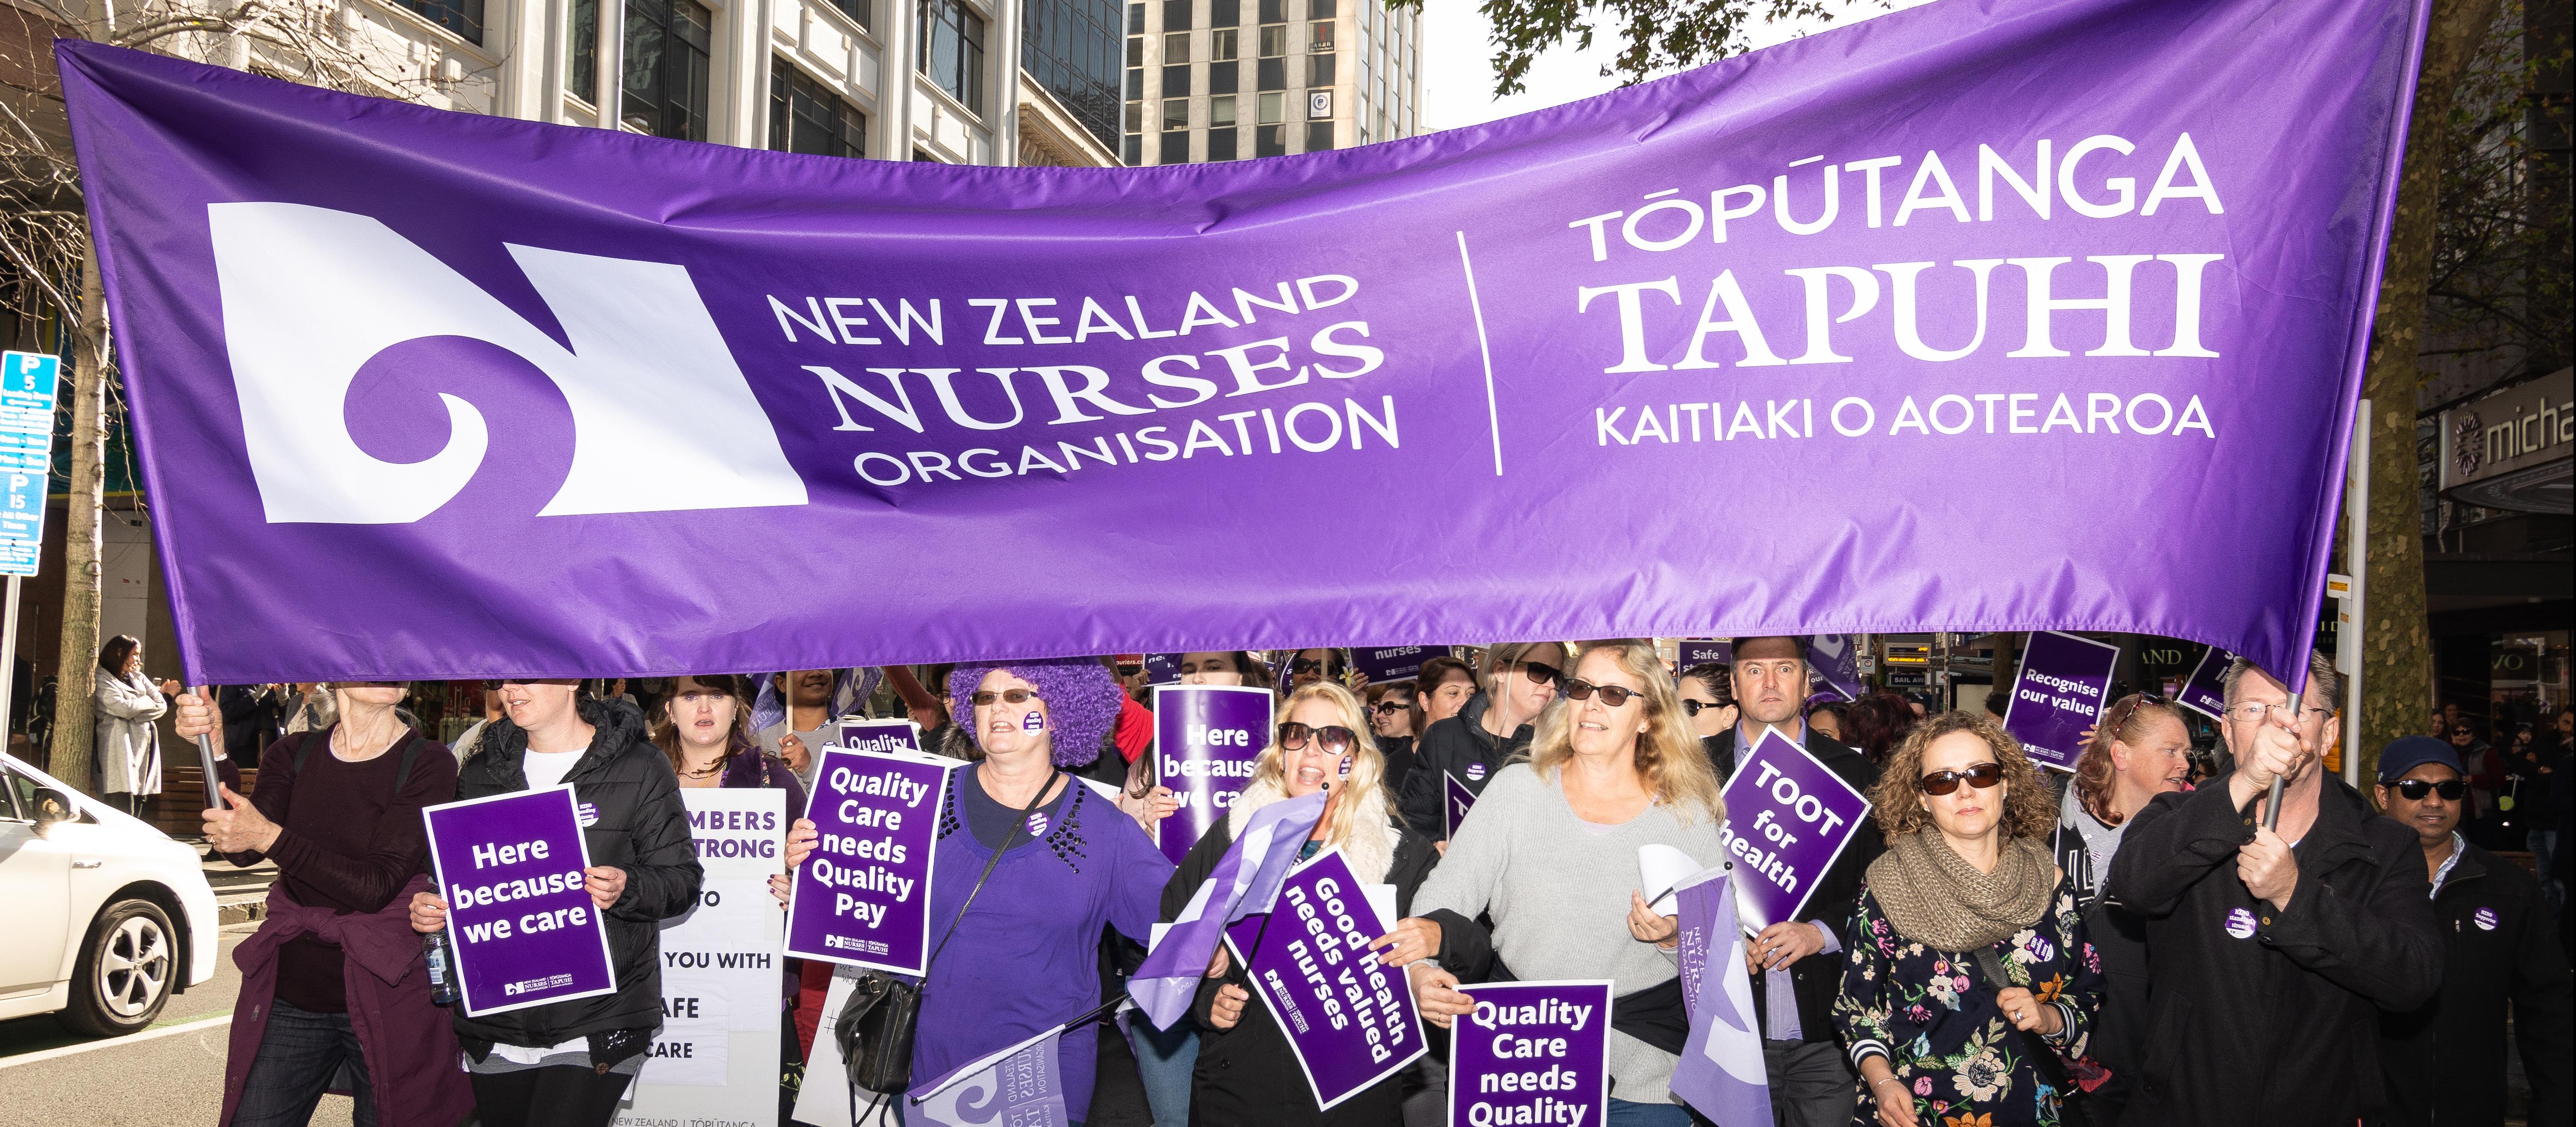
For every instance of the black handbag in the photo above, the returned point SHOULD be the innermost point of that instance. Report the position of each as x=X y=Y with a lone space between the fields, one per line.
x=875 y=1028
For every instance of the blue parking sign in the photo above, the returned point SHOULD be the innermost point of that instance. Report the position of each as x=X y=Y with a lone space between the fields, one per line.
x=28 y=383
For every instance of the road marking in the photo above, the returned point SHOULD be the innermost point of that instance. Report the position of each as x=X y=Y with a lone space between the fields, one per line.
x=113 y=1042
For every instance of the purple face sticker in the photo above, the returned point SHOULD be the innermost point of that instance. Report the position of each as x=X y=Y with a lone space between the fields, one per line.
x=2485 y=919
x=2240 y=923
x=1032 y=722
x=1475 y=771
x=1346 y=765
x=1037 y=819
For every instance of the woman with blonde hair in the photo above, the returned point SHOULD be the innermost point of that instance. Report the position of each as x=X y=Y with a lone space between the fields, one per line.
x=1246 y=1072
x=1614 y=765
x=1969 y=966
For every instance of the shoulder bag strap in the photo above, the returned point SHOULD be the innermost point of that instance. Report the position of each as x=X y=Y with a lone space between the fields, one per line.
x=1013 y=839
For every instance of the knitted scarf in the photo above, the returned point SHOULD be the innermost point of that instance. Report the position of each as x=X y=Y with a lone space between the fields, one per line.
x=1936 y=898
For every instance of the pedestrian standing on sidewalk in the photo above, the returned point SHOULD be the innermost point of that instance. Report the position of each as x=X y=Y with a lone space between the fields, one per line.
x=127 y=751
x=333 y=981
x=568 y=1063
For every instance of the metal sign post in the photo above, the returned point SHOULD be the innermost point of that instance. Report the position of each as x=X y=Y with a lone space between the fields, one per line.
x=28 y=381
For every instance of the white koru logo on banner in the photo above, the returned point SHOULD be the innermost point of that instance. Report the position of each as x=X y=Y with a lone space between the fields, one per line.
x=310 y=295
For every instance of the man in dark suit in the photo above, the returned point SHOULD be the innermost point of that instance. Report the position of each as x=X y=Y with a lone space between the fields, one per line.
x=254 y=717
x=1793 y=992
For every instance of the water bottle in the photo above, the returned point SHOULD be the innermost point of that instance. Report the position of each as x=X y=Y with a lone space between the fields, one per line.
x=442 y=973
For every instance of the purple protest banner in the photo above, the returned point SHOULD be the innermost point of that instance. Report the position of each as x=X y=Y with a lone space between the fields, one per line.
x=1163 y=669
x=1720 y=1071
x=1206 y=740
x=2205 y=691
x=1349 y=1020
x=1703 y=651
x=1393 y=663
x=1796 y=817
x=2064 y=684
x=1834 y=659
x=885 y=737
x=524 y=930
x=2115 y=241
x=1456 y=798
x=1016 y=1087
x=1531 y=1052
x=863 y=898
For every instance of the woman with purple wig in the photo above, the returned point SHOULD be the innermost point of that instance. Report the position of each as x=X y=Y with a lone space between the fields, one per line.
x=1025 y=954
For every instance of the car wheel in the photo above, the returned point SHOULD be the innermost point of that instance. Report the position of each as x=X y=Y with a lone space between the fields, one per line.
x=126 y=969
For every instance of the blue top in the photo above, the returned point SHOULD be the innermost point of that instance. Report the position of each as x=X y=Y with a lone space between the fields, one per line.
x=1027 y=955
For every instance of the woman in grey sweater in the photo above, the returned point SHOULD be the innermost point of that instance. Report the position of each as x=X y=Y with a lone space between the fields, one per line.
x=1613 y=766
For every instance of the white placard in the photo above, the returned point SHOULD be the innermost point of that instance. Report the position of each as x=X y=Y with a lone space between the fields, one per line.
x=715 y=1061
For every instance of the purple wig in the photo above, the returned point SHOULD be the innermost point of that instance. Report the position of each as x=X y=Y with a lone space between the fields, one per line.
x=1082 y=701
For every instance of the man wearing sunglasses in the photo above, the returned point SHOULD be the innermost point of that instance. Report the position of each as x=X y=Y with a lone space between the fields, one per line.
x=2272 y=951
x=2444 y=1061
x=1793 y=992
x=1517 y=682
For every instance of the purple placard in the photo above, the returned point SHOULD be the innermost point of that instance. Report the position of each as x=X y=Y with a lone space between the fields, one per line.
x=2205 y=691
x=863 y=898
x=1206 y=740
x=1720 y=1071
x=1800 y=816
x=1531 y=1052
x=1349 y=1019
x=1455 y=800
x=1701 y=651
x=1163 y=669
x=2064 y=684
x=1393 y=663
x=524 y=930
x=1835 y=660
x=885 y=737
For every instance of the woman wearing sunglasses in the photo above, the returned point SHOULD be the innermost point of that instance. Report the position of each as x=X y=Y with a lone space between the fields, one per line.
x=1969 y=963
x=1551 y=855
x=1520 y=679
x=1393 y=718
x=1246 y=1073
x=1708 y=699
x=2140 y=750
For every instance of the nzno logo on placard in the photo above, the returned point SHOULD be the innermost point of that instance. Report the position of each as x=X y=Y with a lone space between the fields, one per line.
x=310 y=295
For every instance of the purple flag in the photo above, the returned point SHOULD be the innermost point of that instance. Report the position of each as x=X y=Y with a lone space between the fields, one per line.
x=1017 y=1087
x=1787 y=819
x=1532 y=1052
x=1349 y=1020
x=524 y=931
x=1207 y=739
x=2063 y=686
x=2114 y=242
x=1835 y=658
x=863 y=898
x=1456 y=798
x=2205 y=690
x=1720 y=1071
x=1169 y=977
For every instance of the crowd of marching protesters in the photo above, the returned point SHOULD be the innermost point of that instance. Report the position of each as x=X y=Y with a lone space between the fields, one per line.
x=2141 y=941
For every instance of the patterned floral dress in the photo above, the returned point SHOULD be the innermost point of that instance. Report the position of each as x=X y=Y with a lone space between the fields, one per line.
x=1931 y=1014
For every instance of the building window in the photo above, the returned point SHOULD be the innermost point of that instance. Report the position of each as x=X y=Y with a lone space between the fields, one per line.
x=581 y=75
x=1222 y=45
x=1222 y=77
x=1272 y=107
x=1176 y=113
x=1136 y=82
x=1135 y=149
x=1274 y=73
x=1221 y=144
x=805 y=116
x=1274 y=11
x=1176 y=15
x=1221 y=112
x=1270 y=141
x=1135 y=19
x=1135 y=117
x=1176 y=80
x=1225 y=13
x=1319 y=136
x=666 y=68
x=1319 y=37
x=465 y=17
x=952 y=51
x=1319 y=70
x=1135 y=50
x=1319 y=9
x=1176 y=148
x=1176 y=47
x=1070 y=49
x=862 y=11
x=1274 y=40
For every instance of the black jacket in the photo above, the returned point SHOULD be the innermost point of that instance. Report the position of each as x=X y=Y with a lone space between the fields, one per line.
x=2278 y=1027
x=641 y=828
x=1818 y=978
x=2445 y=1059
x=1249 y=1074
x=252 y=721
x=1458 y=746
x=2119 y=936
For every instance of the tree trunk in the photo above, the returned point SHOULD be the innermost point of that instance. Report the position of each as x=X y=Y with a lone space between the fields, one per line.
x=2397 y=655
x=78 y=657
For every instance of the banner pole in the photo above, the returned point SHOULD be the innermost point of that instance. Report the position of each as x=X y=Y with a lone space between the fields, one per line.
x=2356 y=550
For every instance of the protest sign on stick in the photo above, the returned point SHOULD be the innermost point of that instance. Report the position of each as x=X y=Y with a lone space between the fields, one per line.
x=886 y=737
x=1834 y=660
x=1787 y=820
x=1349 y=1020
x=1720 y=1071
x=524 y=930
x=1705 y=651
x=1206 y=740
x=863 y=898
x=2204 y=691
x=2064 y=684
x=1393 y=663
x=1531 y=1052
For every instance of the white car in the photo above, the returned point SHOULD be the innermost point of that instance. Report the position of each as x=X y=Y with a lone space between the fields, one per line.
x=106 y=916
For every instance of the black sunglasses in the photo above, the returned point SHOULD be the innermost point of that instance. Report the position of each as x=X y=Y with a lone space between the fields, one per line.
x=1575 y=688
x=984 y=697
x=2416 y=789
x=1305 y=665
x=1387 y=706
x=1695 y=707
x=1334 y=737
x=1539 y=673
x=1983 y=776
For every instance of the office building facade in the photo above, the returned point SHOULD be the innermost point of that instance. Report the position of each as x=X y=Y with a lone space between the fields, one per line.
x=1212 y=80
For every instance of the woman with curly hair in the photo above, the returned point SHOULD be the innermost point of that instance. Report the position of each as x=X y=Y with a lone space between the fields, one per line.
x=1970 y=983
x=1024 y=954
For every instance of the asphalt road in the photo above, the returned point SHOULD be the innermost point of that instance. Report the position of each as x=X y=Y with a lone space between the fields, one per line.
x=168 y=1074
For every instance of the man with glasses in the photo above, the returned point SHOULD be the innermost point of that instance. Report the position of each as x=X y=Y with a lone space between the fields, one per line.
x=2445 y=1060
x=1793 y=991
x=1518 y=681
x=2272 y=949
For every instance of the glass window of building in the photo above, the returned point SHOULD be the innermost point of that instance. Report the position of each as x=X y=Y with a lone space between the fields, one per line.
x=1176 y=113
x=1135 y=50
x=1270 y=141
x=581 y=75
x=1225 y=13
x=806 y=116
x=1176 y=47
x=1221 y=112
x=1222 y=45
x=952 y=50
x=1319 y=70
x=1319 y=37
x=1135 y=19
x=1069 y=48
x=465 y=17
x=1274 y=40
x=1274 y=11
x=1176 y=14
x=1272 y=108
x=665 y=85
x=1319 y=136
x=1135 y=117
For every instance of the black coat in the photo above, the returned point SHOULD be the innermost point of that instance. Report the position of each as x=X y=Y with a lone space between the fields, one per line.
x=641 y=828
x=1818 y=978
x=2278 y=1028
x=1457 y=746
x=1249 y=1074
x=2444 y=1060
x=252 y=720
x=2119 y=936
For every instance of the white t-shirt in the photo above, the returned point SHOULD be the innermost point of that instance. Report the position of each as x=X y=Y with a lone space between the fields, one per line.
x=547 y=768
